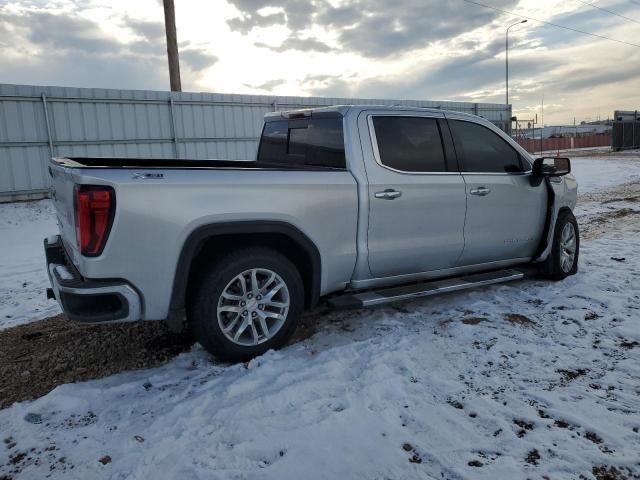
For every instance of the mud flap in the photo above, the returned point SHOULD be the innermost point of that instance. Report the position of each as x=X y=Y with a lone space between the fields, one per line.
x=546 y=242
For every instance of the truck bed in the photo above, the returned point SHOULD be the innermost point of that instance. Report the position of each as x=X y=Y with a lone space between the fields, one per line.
x=170 y=163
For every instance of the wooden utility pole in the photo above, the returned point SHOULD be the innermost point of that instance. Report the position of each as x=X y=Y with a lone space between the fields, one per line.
x=172 y=45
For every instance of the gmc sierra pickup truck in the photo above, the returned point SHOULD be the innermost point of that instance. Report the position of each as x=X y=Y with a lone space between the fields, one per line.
x=360 y=205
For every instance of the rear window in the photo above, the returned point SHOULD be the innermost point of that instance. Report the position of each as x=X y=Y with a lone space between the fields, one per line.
x=306 y=141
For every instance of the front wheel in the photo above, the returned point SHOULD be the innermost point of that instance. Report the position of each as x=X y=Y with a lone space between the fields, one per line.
x=563 y=259
x=246 y=303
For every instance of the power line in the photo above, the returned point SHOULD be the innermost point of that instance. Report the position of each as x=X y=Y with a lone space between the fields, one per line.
x=552 y=24
x=609 y=11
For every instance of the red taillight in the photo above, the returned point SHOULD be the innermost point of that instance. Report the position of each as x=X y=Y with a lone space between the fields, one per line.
x=95 y=206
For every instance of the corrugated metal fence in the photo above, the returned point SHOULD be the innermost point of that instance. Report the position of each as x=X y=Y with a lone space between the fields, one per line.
x=37 y=123
x=626 y=130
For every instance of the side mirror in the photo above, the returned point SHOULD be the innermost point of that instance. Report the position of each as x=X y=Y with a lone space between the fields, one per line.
x=551 y=167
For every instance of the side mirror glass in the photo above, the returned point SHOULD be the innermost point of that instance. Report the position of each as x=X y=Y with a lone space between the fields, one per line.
x=551 y=166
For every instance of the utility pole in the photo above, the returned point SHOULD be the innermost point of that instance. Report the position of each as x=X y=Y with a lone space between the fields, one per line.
x=172 y=45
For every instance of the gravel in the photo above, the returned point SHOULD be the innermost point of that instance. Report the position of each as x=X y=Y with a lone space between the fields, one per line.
x=36 y=357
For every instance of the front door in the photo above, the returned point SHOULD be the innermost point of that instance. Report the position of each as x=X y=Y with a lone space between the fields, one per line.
x=416 y=195
x=505 y=214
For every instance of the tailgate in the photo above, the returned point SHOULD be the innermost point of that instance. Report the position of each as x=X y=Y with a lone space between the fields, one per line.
x=62 y=196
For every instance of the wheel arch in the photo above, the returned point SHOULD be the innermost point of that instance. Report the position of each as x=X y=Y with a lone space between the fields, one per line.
x=204 y=242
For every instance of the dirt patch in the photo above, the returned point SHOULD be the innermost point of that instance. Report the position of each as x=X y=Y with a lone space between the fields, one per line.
x=569 y=375
x=605 y=472
x=474 y=320
x=632 y=199
x=614 y=214
x=37 y=357
x=629 y=344
x=594 y=437
x=626 y=192
x=599 y=224
x=533 y=457
x=455 y=404
x=518 y=319
x=594 y=226
x=524 y=426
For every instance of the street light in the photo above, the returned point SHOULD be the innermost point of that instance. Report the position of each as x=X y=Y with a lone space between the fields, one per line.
x=507 y=51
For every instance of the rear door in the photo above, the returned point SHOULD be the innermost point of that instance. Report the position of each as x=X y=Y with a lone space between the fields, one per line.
x=505 y=214
x=416 y=194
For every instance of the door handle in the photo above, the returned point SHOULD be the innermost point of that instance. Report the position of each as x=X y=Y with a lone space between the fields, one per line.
x=388 y=194
x=480 y=191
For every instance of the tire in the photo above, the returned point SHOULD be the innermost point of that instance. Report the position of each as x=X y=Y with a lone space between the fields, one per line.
x=559 y=265
x=209 y=311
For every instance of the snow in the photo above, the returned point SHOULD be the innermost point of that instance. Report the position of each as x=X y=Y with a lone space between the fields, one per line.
x=601 y=173
x=487 y=375
x=23 y=278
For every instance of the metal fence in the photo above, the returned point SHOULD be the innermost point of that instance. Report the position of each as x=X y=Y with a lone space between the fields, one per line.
x=626 y=130
x=37 y=123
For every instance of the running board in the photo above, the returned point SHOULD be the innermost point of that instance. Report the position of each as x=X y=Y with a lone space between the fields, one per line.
x=424 y=289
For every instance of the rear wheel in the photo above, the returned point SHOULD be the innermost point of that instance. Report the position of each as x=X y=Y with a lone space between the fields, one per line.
x=246 y=303
x=563 y=259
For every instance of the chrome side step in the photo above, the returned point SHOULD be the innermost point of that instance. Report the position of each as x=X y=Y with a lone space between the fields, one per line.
x=424 y=289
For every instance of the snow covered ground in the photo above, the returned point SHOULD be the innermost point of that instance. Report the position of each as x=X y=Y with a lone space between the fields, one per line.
x=522 y=380
x=23 y=276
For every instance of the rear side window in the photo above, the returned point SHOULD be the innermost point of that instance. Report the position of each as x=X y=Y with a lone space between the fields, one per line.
x=308 y=141
x=481 y=150
x=409 y=144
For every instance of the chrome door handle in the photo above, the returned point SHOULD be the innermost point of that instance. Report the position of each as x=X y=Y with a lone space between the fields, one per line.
x=481 y=191
x=388 y=194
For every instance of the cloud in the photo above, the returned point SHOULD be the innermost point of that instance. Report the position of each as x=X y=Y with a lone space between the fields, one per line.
x=197 y=60
x=149 y=30
x=67 y=49
x=297 y=14
x=294 y=43
x=59 y=32
x=249 y=21
x=375 y=28
x=269 y=85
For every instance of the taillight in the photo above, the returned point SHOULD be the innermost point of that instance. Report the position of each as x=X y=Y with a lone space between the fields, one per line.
x=95 y=207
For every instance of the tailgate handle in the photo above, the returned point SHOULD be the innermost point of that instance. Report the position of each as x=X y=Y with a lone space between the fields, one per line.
x=388 y=194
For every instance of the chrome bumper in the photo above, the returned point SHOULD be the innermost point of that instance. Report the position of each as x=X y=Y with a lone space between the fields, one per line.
x=84 y=300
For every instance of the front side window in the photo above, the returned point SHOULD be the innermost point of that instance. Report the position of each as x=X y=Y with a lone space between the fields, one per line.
x=409 y=144
x=481 y=150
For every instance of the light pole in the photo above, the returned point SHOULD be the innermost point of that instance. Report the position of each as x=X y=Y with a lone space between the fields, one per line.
x=507 y=51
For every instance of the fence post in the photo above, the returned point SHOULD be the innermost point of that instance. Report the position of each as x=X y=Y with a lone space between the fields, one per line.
x=46 y=121
x=174 y=133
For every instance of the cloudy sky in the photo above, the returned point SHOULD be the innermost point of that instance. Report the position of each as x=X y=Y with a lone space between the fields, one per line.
x=404 y=49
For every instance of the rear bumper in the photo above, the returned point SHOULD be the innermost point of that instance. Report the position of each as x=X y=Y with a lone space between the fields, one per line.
x=85 y=300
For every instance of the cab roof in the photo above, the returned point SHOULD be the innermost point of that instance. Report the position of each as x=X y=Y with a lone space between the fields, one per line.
x=342 y=110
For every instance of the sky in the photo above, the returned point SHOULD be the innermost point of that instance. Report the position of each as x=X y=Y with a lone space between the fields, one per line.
x=400 y=49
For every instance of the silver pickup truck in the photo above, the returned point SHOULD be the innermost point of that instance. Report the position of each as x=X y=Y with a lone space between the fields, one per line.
x=359 y=205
